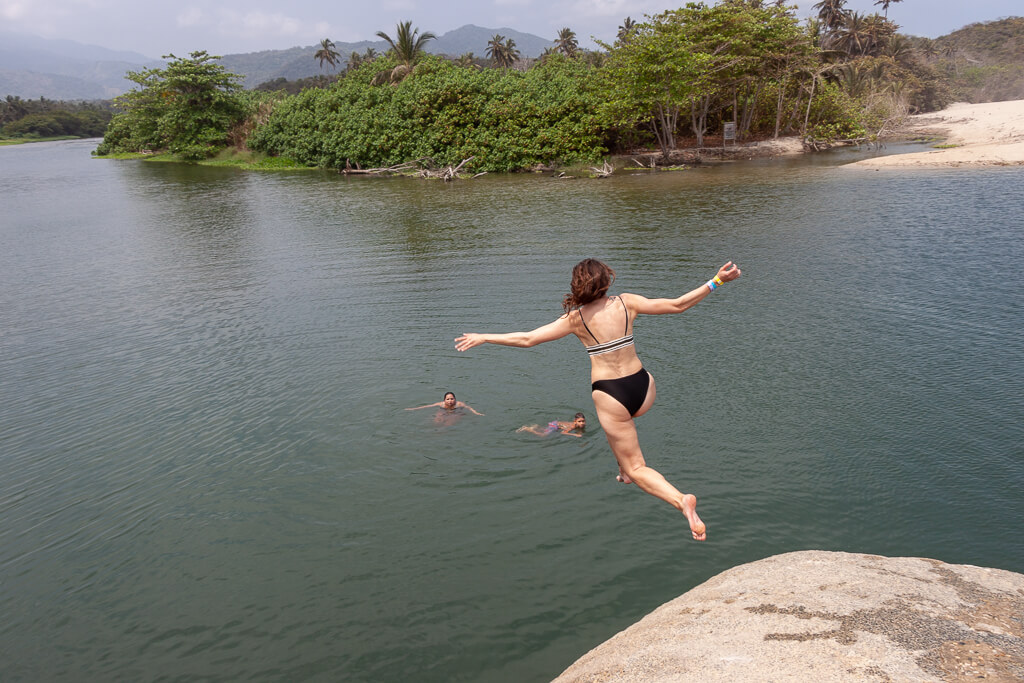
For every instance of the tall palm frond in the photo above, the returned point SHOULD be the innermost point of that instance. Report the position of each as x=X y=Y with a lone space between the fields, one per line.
x=408 y=43
x=885 y=5
x=408 y=48
x=831 y=13
x=566 y=42
x=502 y=51
x=625 y=29
x=327 y=53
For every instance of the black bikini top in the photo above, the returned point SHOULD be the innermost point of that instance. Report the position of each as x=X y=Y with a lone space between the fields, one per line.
x=614 y=345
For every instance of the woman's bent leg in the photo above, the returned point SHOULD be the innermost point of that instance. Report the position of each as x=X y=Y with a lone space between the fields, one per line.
x=622 y=437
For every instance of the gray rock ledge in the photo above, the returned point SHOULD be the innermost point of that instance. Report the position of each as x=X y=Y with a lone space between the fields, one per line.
x=817 y=616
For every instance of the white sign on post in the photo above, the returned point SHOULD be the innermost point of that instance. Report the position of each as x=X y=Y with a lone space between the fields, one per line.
x=728 y=132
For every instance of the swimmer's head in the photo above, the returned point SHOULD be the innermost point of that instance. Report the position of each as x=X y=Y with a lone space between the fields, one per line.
x=590 y=281
x=449 y=401
x=579 y=421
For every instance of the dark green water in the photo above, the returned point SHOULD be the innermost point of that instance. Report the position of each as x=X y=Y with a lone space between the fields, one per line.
x=207 y=472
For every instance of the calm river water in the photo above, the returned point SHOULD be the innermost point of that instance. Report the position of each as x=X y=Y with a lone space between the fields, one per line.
x=207 y=472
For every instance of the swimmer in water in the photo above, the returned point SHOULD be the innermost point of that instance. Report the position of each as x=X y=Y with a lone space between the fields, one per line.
x=450 y=408
x=579 y=422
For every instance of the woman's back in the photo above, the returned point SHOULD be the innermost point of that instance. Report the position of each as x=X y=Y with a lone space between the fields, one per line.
x=605 y=330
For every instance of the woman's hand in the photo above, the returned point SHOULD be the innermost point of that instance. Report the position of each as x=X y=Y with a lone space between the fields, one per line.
x=730 y=271
x=468 y=341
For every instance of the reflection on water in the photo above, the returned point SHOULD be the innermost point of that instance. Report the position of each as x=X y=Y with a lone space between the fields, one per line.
x=209 y=471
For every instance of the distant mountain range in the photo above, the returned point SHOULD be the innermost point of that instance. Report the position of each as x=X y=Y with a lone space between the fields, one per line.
x=32 y=67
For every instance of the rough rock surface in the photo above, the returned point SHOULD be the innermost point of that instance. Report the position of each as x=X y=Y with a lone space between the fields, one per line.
x=817 y=616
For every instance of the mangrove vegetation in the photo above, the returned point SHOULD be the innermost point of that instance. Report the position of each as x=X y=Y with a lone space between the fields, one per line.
x=674 y=80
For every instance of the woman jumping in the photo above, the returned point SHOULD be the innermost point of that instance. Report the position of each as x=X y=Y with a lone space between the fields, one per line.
x=621 y=388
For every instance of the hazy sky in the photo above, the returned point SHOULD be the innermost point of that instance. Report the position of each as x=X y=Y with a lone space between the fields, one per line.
x=157 y=27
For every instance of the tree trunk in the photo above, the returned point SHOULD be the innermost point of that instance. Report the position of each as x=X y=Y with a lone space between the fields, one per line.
x=663 y=123
x=810 y=101
x=778 y=107
x=749 y=109
x=699 y=117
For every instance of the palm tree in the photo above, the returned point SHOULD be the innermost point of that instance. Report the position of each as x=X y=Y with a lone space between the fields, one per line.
x=467 y=60
x=831 y=13
x=566 y=42
x=900 y=49
x=926 y=47
x=627 y=27
x=885 y=5
x=502 y=51
x=952 y=51
x=496 y=49
x=407 y=48
x=511 y=51
x=327 y=53
x=854 y=37
x=879 y=30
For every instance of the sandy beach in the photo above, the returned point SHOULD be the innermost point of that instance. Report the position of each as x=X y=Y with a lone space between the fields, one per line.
x=989 y=134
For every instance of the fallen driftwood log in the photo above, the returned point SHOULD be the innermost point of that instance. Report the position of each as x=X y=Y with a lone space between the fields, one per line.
x=448 y=173
x=397 y=168
x=641 y=164
x=423 y=168
x=604 y=171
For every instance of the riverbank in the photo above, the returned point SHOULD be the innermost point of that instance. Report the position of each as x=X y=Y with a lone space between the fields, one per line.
x=714 y=150
x=22 y=141
x=988 y=134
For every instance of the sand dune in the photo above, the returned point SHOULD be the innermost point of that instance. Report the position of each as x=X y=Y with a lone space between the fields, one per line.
x=990 y=134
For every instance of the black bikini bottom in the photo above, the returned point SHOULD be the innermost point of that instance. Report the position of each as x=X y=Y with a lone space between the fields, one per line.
x=630 y=391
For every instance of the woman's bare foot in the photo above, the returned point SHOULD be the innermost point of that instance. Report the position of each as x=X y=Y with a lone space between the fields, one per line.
x=697 y=527
x=623 y=478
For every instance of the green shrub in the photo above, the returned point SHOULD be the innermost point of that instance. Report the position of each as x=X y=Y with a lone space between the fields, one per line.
x=506 y=120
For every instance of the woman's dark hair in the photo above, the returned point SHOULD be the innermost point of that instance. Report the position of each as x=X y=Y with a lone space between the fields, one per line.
x=450 y=392
x=590 y=281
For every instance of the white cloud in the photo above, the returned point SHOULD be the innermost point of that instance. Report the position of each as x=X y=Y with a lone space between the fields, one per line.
x=398 y=5
x=262 y=23
x=192 y=16
x=606 y=8
x=13 y=11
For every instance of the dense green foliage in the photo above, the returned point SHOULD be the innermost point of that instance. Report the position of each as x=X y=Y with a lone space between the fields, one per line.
x=506 y=120
x=693 y=62
x=188 y=108
x=283 y=85
x=49 y=118
x=685 y=72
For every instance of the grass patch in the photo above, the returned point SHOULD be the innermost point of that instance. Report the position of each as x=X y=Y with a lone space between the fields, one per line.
x=21 y=141
x=229 y=158
x=254 y=161
x=127 y=155
x=945 y=146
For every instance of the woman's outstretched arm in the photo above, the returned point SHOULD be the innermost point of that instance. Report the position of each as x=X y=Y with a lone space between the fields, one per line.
x=553 y=330
x=471 y=408
x=429 y=405
x=730 y=271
